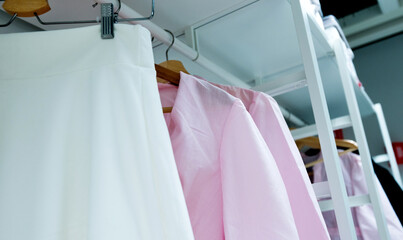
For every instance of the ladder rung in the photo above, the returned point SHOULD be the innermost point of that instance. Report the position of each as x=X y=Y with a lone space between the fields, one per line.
x=354 y=201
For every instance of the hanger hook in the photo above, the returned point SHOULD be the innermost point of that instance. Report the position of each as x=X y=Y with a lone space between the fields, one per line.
x=170 y=45
x=119 y=7
x=9 y=21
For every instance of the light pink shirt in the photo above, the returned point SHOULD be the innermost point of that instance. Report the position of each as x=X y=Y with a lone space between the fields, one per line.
x=231 y=183
x=364 y=218
x=271 y=124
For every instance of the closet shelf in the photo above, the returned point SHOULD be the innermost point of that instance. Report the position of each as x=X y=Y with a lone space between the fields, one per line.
x=255 y=43
x=298 y=102
x=260 y=43
x=238 y=43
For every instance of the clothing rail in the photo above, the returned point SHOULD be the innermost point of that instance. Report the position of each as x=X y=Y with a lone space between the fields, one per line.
x=292 y=118
x=195 y=56
x=178 y=45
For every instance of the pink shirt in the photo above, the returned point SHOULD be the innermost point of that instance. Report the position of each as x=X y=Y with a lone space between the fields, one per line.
x=364 y=218
x=231 y=183
x=271 y=124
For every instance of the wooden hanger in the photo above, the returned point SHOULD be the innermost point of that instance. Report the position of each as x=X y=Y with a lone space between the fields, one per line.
x=174 y=65
x=26 y=8
x=165 y=75
x=169 y=72
x=313 y=142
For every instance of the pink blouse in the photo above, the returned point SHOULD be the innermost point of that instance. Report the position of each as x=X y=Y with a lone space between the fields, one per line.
x=271 y=124
x=231 y=183
x=364 y=218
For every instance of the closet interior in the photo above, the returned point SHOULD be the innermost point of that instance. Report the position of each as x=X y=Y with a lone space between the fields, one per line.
x=285 y=49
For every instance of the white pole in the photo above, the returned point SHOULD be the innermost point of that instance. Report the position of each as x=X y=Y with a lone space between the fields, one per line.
x=292 y=118
x=388 y=143
x=164 y=37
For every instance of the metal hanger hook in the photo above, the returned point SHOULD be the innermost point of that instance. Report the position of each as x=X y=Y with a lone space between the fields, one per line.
x=135 y=19
x=170 y=45
x=119 y=7
x=9 y=21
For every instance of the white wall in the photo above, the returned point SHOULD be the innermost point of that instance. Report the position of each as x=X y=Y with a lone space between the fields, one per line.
x=380 y=69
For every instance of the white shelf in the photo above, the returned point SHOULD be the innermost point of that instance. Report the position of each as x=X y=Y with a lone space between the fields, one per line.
x=257 y=41
x=298 y=102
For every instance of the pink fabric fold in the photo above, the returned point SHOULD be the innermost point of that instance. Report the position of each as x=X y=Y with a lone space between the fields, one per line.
x=231 y=183
x=363 y=216
x=268 y=118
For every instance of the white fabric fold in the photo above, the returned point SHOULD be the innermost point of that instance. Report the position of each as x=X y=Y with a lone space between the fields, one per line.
x=84 y=149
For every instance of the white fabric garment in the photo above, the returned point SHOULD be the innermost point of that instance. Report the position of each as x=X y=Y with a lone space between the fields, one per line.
x=84 y=149
x=334 y=33
x=312 y=7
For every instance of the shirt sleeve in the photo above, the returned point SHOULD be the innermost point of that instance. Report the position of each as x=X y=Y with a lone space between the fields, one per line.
x=306 y=211
x=255 y=202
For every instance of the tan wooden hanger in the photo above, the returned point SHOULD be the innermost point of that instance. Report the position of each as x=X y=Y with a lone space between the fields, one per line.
x=313 y=142
x=169 y=71
x=26 y=8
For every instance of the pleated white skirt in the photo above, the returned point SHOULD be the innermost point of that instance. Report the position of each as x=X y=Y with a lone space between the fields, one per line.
x=84 y=149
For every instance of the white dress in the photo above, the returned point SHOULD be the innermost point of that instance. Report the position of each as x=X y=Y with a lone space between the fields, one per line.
x=84 y=149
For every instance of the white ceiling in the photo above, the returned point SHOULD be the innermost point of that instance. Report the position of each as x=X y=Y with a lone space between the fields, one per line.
x=174 y=15
x=360 y=28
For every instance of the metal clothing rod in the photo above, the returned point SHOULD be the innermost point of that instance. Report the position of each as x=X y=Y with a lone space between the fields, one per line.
x=163 y=36
x=135 y=19
x=190 y=53
x=288 y=88
x=292 y=118
x=63 y=22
